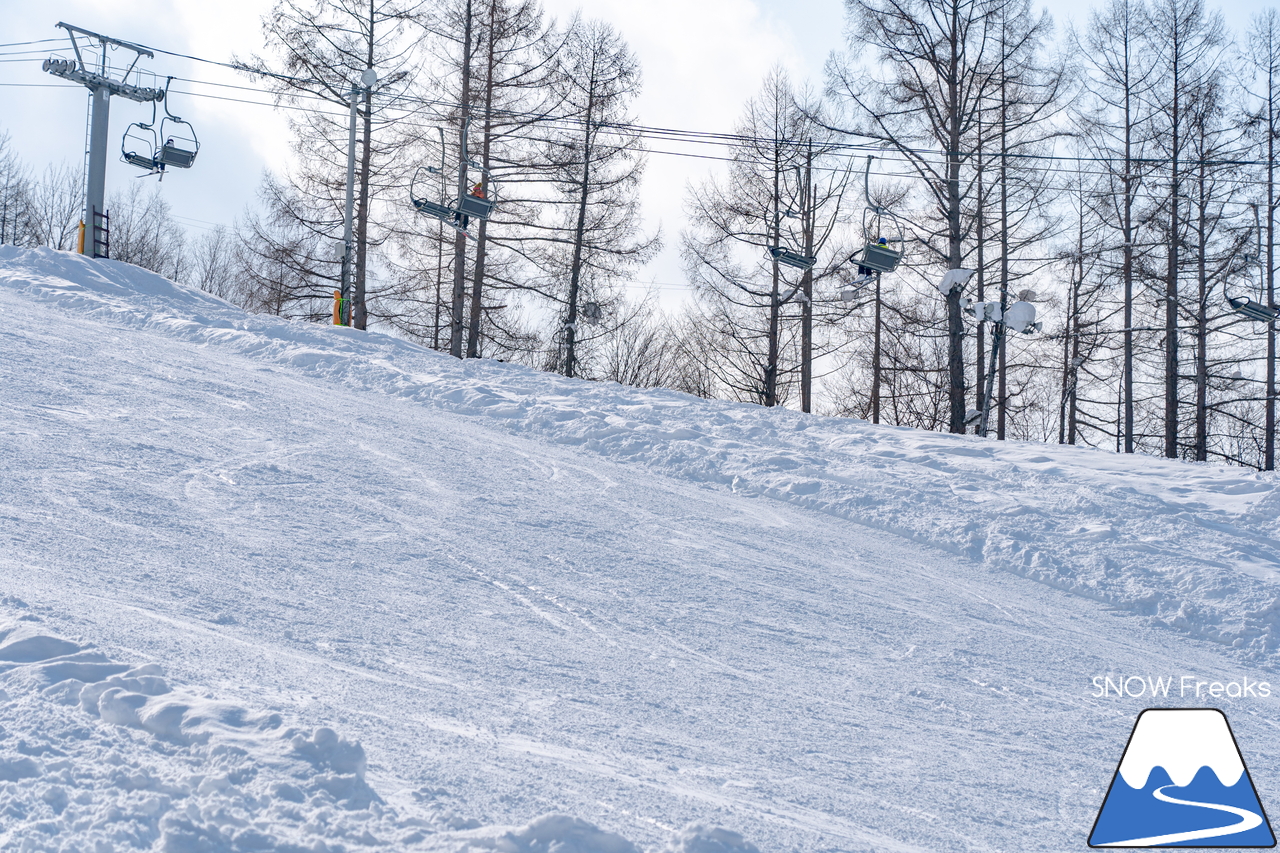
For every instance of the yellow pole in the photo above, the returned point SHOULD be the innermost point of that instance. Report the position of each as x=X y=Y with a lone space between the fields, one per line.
x=80 y=240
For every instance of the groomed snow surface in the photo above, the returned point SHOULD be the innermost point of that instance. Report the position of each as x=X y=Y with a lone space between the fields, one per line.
x=267 y=585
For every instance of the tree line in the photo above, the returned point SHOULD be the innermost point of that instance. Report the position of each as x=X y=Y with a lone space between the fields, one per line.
x=1119 y=176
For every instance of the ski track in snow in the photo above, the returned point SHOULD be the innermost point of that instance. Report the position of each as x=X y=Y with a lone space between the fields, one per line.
x=528 y=596
x=1193 y=547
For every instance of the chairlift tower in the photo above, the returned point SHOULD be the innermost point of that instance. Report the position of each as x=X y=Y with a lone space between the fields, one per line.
x=101 y=85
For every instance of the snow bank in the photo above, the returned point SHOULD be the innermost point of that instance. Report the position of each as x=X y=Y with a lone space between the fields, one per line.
x=1189 y=547
x=101 y=756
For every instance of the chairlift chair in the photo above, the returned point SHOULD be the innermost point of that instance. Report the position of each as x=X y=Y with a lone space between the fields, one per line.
x=789 y=258
x=180 y=143
x=592 y=313
x=139 y=146
x=456 y=214
x=1253 y=310
x=878 y=255
x=466 y=207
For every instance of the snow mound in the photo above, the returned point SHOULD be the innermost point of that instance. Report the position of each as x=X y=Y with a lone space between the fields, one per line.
x=554 y=833
x=97 y=755
x=161 y=767
x=1191 y=547
x=697 y=838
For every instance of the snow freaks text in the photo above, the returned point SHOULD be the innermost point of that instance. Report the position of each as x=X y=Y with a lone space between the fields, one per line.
x=1185 y=687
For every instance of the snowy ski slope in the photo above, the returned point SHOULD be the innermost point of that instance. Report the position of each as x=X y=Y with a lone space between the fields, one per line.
x=272 y=585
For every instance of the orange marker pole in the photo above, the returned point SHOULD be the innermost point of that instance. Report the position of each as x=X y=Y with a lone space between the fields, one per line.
x=80 y=239
x=337 y=308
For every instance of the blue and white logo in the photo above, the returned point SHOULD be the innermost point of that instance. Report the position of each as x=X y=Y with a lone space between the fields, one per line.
x=1182 y=783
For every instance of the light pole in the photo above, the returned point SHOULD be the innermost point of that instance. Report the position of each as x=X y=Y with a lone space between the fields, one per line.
x=1020 y=317
x=369 y=77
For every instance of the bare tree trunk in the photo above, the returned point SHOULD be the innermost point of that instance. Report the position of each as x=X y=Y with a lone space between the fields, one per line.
x=1171 y=273
x=482 y=230
x=1171 y=313
x=980 y=234
x=575 y=271
x=1269 y=440
x=1127 y=369
x=1202 y=332
x=1002 y=395
x=1071 y=334
x=875 y=361
x=955 y=249
x=579 y=231
x=456 y=328
x=359 y=310
x=775 y=304
x=806 y=284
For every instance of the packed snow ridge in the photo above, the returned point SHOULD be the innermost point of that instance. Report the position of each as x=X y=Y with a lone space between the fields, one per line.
x=1193 y=547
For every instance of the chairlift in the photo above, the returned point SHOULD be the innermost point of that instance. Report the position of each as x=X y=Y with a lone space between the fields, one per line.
x=180 y=143
x=878 y=255
x=457 y=213
x=790 y=258
x=141 y=144
x=138 y=148
x=592 y=313
x=1253 y=310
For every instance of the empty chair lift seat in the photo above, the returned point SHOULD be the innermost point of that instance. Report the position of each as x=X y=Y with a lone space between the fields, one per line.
x=173 y=155
x=1253 y=310
x=792 y=259
x=431 y=208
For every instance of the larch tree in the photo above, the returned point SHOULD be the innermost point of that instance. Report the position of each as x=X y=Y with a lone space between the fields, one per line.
x=321 y=48
x=930 y=67
x=1262 y=56
x=780 y=195
x=593 y=160
x=1190 y=44
x=1116 y=118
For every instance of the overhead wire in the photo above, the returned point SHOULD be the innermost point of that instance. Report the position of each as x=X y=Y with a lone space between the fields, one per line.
x=1049 y=163
x=686 y=136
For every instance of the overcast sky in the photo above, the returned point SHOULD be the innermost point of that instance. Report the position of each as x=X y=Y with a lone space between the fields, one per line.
x=701 y=60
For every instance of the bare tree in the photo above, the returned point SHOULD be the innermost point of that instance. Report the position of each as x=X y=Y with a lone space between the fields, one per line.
x=930 y=66
x=1117 y=120
x=15 y=190
x=1190 y=43
x=778 y=203
x=594 y=163
x=143 y=232
x=54 y=205
x=212 y=265
x=323 y=47
x=290 y=266
x=1263 y=59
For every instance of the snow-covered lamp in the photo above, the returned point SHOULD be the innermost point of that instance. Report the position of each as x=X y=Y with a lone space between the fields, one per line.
x=1021 y=317
x=954 y=280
